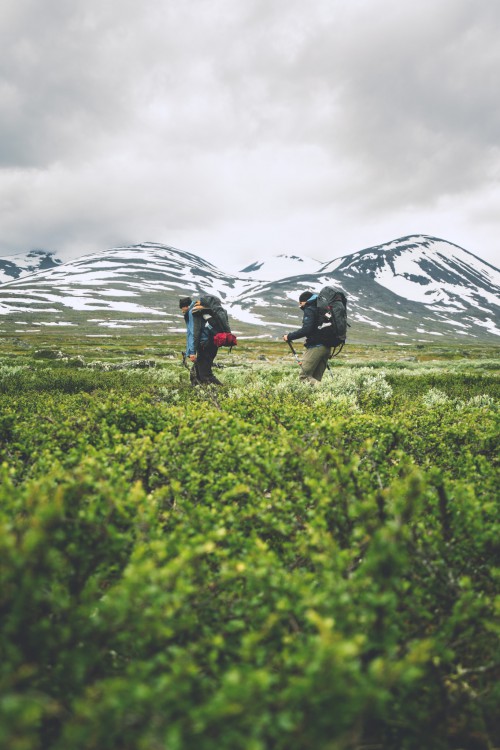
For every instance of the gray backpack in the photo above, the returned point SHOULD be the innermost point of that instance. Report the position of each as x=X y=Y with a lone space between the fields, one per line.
x=218 y=316
x=332 y=316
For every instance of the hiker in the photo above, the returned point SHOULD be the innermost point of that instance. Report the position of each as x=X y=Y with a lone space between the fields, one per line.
x=315 y=360
x=200 y=347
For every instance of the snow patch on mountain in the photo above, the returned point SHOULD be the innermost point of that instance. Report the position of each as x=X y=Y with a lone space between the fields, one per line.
x=244 y=316
x=17 y=265
x=280 y=267
x=489 y=324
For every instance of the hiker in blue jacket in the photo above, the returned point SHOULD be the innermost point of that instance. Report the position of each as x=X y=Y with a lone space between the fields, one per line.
x=317 y=354
x=200 y=347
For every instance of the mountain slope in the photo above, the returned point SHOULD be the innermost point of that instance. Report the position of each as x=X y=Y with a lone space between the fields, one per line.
x=277 y=267
x=18 y=265
x=416 y=288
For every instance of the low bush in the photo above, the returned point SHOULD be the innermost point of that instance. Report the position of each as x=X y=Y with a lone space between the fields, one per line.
x=266 y=565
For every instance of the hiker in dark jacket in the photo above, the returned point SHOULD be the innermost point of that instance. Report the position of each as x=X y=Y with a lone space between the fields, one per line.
x=200 y=347
x=317 y=354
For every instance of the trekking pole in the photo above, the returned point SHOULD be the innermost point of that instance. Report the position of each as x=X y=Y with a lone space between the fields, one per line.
x=294 y=352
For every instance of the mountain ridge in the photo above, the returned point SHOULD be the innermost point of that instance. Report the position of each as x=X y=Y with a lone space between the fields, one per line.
x=416 y=288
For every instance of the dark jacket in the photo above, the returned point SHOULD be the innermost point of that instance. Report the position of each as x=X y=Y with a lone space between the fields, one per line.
x=309 y=324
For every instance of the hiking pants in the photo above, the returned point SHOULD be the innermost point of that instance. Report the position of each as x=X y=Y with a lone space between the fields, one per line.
x=314 y=363
x=201 y=372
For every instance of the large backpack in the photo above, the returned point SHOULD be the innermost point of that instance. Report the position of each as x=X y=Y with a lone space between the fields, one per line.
x=216 y=317
x=332 y=316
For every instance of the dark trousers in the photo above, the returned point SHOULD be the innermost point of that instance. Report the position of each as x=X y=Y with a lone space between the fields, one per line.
x=201 y=371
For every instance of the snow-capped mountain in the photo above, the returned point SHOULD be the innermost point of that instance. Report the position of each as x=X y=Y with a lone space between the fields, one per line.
x=416 y=288
x=456 y=287
x=141 y=280
x=18 y=265
x=424 y=269
x=280 y=266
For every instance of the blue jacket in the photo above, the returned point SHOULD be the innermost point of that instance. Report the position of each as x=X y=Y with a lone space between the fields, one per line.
x=198 y=331
x=309 y=325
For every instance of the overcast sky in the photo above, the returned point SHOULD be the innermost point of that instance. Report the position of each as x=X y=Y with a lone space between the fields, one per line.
x=235 y=129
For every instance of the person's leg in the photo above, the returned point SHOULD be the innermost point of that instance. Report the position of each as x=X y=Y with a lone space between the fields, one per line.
x=205 y=359
x=322 y=362
x=310 y=362
x=203 y=366
x=211 y=355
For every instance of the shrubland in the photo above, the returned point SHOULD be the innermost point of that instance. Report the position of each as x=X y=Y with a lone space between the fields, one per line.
x=263 y=565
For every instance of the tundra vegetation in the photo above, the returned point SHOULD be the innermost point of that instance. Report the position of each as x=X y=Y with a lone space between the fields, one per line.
x=265 y=565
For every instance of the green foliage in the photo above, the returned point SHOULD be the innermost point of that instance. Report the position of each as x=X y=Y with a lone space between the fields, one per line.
x=267 y=565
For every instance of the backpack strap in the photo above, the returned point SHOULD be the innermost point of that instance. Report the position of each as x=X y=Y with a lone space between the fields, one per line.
x=337 y=350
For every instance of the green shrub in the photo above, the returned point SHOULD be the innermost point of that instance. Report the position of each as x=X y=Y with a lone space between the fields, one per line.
x=265 y=565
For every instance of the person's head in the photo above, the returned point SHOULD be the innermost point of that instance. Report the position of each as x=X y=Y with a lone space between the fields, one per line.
x=304 y=297
x=184 y=304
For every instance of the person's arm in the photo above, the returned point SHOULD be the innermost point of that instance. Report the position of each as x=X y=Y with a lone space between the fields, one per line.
x=190 y=347
x=308 y=324
x=197 y=318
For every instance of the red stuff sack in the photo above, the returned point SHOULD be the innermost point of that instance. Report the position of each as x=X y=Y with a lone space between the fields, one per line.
x=225 y=339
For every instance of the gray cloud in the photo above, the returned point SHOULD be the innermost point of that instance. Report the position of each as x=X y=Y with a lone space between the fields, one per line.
x=247 y=127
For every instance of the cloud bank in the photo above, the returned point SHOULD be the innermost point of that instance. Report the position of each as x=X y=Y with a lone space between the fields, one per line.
x=237 y=129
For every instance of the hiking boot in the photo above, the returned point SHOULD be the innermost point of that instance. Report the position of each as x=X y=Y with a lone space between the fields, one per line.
x=215 y=381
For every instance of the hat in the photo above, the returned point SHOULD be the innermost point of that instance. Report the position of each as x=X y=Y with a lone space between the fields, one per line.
x=305 y=296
